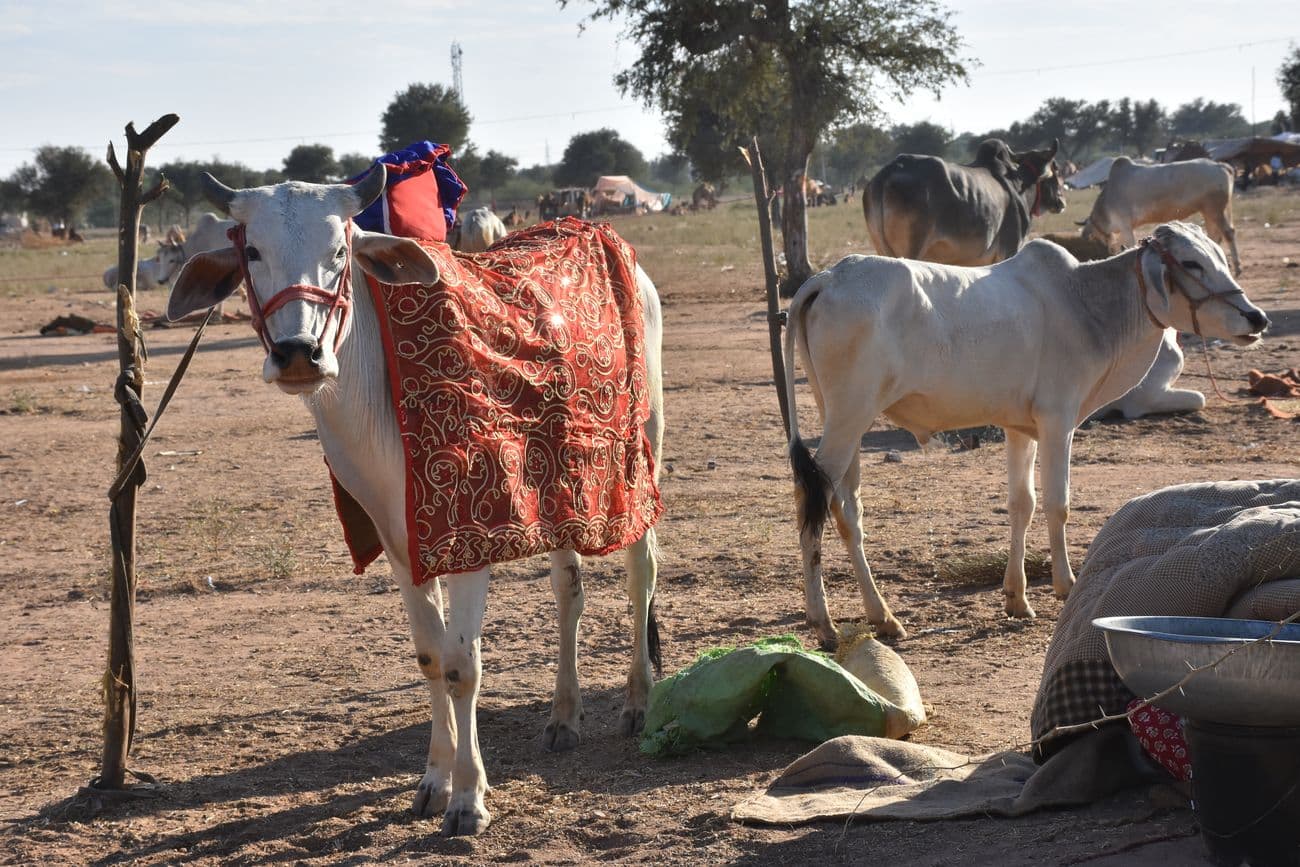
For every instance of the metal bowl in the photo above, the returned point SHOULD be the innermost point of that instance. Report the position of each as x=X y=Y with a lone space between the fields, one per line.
x=1257 y=685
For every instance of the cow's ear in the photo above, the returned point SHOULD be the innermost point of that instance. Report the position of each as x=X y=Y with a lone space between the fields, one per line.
x=393 y=260
x=1158 y=285
x=205 y=280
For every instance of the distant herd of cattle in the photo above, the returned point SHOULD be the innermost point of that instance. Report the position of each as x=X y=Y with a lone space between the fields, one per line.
x=920 y=207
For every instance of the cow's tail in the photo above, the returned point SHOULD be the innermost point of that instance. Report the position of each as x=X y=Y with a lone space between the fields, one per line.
x=809 y=478
x=652 y=639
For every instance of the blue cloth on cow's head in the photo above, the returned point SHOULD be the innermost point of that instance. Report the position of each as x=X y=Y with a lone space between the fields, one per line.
x=421 y=183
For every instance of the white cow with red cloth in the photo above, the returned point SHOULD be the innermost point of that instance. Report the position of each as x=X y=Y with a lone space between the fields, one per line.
x=297 y=247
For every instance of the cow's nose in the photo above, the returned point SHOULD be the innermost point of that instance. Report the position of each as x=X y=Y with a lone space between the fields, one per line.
x=299 y=350
x=1258 y=321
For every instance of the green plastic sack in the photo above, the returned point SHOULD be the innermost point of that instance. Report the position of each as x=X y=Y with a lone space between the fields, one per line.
x=794 y=693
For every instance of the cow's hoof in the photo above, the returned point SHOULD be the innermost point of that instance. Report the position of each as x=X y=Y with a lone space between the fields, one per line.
x=828 y=637
x=465 y=821
x=631 y=721
x=890 y=628
x=559 y=737
x=1020 y=608
x=1062 y=591
x=431 y=796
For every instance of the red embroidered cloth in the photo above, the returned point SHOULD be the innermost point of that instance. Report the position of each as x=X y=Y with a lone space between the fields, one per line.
x=520 y=387
x=1161 y=735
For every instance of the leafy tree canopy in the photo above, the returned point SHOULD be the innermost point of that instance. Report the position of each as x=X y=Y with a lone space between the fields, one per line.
x=425 y=111
x=603 y=152
x=496 y=169
x=61 y=182
x=813 y=65
x=1288 y=78
x=313 y=163
x=354 y=164
x=920 y=138
x=1199 y=119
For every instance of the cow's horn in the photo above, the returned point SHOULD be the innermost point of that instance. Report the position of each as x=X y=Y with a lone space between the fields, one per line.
x=218 y=193
x=371 y=186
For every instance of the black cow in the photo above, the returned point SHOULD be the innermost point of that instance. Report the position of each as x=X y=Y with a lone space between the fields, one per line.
x=920 y=207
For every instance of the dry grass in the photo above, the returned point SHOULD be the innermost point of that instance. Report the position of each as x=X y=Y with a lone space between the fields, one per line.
x=987 y=568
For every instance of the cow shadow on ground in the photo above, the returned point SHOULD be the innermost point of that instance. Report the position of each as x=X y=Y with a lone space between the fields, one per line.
x=356 y=779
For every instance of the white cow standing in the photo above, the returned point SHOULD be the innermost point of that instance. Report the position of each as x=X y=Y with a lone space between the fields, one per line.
x=1137 y=195
x=1034 y=345
x=296 y=243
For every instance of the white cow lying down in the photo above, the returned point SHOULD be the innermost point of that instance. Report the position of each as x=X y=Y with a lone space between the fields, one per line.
x=1155 y=393
x=1034 y=345
x=296 y=244
x=155 y=272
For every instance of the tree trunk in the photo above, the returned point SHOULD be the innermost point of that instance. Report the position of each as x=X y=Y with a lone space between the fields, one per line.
x=775 y=316
x=119 y=679
x=794 y=214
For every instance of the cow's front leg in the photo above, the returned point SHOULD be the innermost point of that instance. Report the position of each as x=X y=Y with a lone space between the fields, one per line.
x=561 y=732
x=847 y=509
x=1054 y=446
x=642 y=571
x=462 y=669
x=424 y=611
x=1021 y=450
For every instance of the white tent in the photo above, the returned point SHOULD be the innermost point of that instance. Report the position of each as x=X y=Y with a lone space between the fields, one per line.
x=620 y=191
x=1096 y=173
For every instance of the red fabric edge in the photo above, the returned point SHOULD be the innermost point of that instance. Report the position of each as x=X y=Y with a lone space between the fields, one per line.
x=360 y=559
x=418 y=575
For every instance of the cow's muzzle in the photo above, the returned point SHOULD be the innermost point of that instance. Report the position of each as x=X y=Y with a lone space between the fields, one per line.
x=300 y=362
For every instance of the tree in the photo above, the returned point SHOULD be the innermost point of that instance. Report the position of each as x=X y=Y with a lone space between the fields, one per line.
x=353 y=164
x=496 y=169
x=13 y=197
x=186 y=186
x=313 y=163
x=671 y=169
x=62 y=182
x=591 y=154
x=1150 y=126
x=828 y=62
x=920 y=138
x=1202 y=119
x=1288 y=79
x=722 y=103
x=1279 y=124
x=1121 y=124
x=424 y=111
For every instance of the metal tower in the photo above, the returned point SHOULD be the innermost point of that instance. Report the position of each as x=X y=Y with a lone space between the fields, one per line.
x=456 y=84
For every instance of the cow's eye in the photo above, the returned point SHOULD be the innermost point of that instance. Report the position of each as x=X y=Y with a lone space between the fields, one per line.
x=1190 y=265
x=342 y=251
x=252 y=254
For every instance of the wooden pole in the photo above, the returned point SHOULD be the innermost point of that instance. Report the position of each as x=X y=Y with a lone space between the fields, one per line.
x=119 y=679
x=775 y=315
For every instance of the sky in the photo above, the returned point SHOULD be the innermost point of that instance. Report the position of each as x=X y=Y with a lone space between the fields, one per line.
x=251 y=79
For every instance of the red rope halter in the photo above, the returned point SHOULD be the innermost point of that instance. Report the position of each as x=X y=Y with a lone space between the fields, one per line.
x=340 y=300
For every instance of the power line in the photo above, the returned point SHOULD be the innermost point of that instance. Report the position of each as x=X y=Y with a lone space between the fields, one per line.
x=329 y=135
x=1095 y=63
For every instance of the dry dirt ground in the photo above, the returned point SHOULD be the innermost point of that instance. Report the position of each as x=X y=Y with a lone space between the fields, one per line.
x=280 y=705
